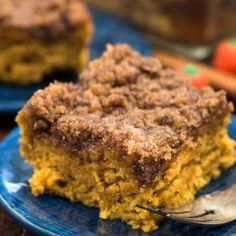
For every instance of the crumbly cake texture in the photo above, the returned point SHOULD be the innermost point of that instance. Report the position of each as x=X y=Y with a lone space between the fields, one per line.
x=128 y=133
x=39 y=37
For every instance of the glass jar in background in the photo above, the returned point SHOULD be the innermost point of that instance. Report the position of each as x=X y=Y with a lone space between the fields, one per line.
x=191 y=27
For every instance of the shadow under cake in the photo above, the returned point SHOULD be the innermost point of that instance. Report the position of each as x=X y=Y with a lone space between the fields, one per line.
x=131 y=132
x=40 y=37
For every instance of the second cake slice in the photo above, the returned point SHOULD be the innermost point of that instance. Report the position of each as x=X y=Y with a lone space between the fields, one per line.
x=41 y=37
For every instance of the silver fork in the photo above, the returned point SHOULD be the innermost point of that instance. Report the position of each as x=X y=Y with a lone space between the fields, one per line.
x=216 y=209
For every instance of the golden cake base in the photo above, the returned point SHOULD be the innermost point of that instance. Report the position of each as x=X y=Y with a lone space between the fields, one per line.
x=107 y=185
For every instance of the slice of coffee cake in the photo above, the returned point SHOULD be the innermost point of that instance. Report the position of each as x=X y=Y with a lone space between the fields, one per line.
x=41 y=37
x=130 y=132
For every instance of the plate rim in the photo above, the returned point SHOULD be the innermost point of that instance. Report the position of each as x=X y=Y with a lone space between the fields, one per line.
x=40 y=230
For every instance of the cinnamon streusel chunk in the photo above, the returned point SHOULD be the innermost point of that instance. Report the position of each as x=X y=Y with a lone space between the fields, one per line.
x=41 y=37
x=131 y=132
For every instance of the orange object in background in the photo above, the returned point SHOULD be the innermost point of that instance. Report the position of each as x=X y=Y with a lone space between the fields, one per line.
x=225 y=56
x=217 y=78
x=197 y=76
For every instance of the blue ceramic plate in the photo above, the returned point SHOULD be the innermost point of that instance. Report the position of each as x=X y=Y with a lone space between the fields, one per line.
x=56 y=216
x=108 y=29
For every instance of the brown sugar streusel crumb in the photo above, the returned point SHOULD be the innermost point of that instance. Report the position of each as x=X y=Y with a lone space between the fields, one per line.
x=128 y=104
x=43 y=18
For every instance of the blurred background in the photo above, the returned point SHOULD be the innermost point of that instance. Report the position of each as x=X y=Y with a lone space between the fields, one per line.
x=196 y=37
x=189 y=27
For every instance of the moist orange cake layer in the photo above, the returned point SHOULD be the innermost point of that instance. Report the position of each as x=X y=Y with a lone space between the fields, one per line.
x=130 y=132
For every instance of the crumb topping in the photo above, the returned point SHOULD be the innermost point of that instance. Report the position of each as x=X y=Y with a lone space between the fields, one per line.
x=131 y=104
x=43 y=18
